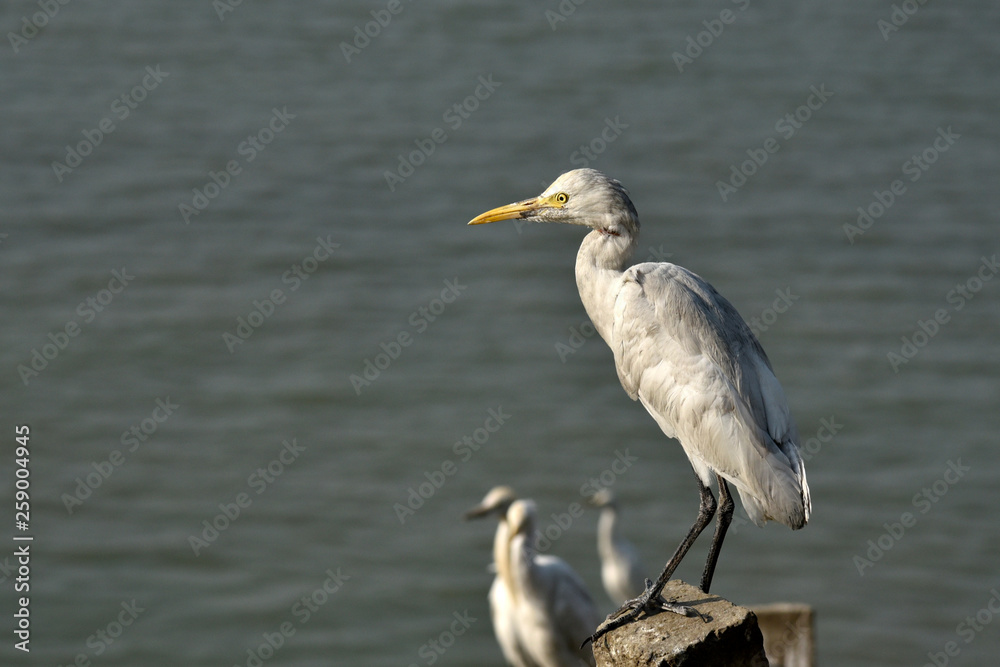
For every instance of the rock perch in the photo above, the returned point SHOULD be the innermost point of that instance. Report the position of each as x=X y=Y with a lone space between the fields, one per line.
x=730 y=638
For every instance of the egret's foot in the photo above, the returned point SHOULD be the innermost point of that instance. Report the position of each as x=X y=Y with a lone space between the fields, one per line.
x=649 y=603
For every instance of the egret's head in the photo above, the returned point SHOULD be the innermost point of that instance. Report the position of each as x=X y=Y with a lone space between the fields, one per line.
x=604 y=498
x=496 y=501
x=579 y=197
x=521 y=517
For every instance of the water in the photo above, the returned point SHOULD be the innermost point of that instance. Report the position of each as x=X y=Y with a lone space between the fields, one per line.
x=315 y=196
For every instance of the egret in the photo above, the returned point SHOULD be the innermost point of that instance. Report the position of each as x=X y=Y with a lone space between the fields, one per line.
x=621 y=572
x=502 y=610
x=555 y=612
x=684 y=352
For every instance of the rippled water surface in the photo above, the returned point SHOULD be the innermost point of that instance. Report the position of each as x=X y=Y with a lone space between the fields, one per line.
x=200 y=247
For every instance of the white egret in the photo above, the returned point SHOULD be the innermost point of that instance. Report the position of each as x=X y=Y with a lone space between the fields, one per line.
x=555 y=612
x=502 y=610
x=683 y=351
x=621 y=571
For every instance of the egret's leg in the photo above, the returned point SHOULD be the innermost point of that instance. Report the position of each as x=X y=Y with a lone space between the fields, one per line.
x=722 y=525
x=650 y=601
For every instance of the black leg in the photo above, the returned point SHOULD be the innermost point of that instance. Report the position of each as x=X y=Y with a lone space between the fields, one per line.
x=650 y=600
x=721 y=526
x=705 y=512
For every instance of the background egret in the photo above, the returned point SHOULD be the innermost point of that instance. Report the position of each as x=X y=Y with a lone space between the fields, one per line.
x=621 y=571
x=502 y=610
x=555 y=612
x=683 y=351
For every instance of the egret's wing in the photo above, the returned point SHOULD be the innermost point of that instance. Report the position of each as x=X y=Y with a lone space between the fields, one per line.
x=571 y=608
x=685 y=352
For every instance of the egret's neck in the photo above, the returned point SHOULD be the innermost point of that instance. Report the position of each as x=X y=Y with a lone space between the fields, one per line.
x=602 y=258
x=522 y=554
x=501 y=554
x=607 y=531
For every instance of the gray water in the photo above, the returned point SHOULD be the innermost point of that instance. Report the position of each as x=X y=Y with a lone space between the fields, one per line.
x=502 y=327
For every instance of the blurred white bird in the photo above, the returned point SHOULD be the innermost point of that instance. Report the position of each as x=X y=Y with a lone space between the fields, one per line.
x=621 y=571
x=555 y=613
x=502 y=610
x=683 y=351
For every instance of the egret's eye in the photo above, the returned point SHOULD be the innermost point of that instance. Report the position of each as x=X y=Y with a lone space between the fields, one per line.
x=561 y=198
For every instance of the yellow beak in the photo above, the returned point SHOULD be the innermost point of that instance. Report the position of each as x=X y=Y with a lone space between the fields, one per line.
x=521 y=209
